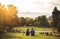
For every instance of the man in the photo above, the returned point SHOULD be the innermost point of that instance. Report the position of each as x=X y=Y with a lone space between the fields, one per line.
x=27 y=32
x=32 y=32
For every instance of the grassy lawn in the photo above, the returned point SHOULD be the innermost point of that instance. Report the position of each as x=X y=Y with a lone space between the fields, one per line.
x=35 y=28
x=23 y=36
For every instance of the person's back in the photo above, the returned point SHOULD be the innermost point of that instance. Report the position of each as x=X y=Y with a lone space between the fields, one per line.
x=32 y=32
x=27 y=32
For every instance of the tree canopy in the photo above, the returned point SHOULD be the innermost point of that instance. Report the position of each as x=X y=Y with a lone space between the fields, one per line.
x=8 y=16
x=56 y=18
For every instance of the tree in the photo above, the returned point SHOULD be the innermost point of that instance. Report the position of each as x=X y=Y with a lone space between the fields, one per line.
x=58 y=27
x=44 y=21
x=29 y=21
x=12 y=18
x=3 y=12
x=56 y=19
x=8 y=16
x=22 y=21
x=37 y=21
x=41 y=21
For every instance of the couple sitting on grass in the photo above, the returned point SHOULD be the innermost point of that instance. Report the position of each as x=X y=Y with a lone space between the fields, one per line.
x=32 y=32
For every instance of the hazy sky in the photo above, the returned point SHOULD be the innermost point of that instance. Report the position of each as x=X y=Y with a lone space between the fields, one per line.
x=34 y=7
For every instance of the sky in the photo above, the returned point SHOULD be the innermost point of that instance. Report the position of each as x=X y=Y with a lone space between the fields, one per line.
x=33 y=8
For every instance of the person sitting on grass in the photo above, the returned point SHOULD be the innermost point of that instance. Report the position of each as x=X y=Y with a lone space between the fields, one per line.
x=27 y=32
x=32 y=32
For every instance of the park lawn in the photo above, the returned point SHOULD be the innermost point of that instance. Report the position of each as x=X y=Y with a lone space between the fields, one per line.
x=35 y=28
x=23 y=36
x=20 y=35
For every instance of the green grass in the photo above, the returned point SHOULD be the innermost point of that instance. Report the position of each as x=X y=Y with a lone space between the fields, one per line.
x=23 y=36
x=35 y=28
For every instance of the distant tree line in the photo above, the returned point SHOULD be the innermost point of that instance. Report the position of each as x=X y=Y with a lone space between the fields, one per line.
x=38 y=21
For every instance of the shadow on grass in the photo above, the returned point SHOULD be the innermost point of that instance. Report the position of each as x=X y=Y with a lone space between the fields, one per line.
x=10 y=37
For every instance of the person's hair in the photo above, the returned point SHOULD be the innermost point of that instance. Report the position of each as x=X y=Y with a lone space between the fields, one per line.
x=27 y=29
x=32 y=28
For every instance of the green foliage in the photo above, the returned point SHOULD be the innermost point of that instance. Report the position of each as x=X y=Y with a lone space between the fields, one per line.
x=56 y=19
x=22 y=21
x=29 y=21
x=44 y=21
x=41 y=21
x=37 y=21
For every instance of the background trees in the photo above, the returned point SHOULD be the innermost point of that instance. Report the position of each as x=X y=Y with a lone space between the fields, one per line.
x=56 y=19
x=41 y=21
x=37 y=21
x=22 y=21
x=44 y=21
x=29 y=21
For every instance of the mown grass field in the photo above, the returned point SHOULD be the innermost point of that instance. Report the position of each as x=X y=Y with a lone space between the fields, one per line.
x=23 y=36
x=35 y=28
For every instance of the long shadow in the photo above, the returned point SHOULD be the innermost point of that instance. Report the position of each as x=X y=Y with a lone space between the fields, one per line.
x=9 y=37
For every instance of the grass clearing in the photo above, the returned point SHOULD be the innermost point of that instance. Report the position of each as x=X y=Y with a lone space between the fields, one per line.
x=35 y=28
x=23 y=36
